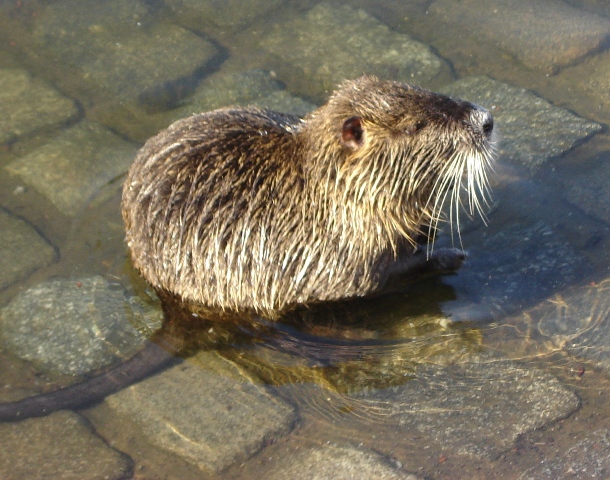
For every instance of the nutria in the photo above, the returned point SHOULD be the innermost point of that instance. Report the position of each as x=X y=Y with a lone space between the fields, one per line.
x=249 y=210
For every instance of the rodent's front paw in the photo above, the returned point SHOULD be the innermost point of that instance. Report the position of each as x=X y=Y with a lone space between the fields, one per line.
x=447 y=259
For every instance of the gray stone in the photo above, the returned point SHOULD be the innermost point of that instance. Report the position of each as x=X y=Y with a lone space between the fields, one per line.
x=587 y=459
x=206 y=412
x=588 y=189
x=283 y=101
x=60 y=446
x=531 y=130
x=519 y=266
x=22 y=249
x=72 y=168
x=114 y=45
x=28 y=104
x=339 y=462
x=75 y=326
x=546 y=34
x=226 y=14
x=331 y=43
x=477 y=408
x=253 y=87
x=592 y=76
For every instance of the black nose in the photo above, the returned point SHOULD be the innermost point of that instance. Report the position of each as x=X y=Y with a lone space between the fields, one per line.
x=481 y=120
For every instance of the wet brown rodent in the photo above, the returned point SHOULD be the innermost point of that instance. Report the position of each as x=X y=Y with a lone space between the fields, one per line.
x=248 y=210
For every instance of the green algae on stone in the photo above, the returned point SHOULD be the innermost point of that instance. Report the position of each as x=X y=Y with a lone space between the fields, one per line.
x=28 y=104
x=22 y=249
x=73 y=167
x=531 y=130
x=60 y=446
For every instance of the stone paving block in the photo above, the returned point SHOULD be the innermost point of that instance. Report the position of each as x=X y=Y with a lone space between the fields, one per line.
x=331 y=43
x=60 y=447
x=73 y=167
x=588 y=189
x=229 y=15
x=22 y=249
x=592 y=76
x=546 y=34
x=28 y=104
x=576 y=320
x=252 y=87
x=339 y=462
x=519 y=266
x=588 y=459
x=204 y=412
x=531 y=130
x=477 y=408
x=75 y=326
x=115 y=44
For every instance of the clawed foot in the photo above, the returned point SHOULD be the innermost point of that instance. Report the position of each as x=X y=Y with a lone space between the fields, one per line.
x=444 y=260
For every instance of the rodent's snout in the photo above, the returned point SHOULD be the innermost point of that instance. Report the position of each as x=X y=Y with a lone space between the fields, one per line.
x=481 y=120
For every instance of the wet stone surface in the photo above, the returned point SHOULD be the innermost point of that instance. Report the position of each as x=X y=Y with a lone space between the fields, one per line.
x=478 y=408
x=576 y=320
x=114 y=44
x=519 y=266
x=588 y=189
x=60 y=446
x=72 y=168
x=587 y=459
x=28 y=104
x=225 y=14
x=592 y=76
x=22 y=249
x=531 y=130
x=75 y=326
x=546 y=34
x=253 y=87
x=339 y=462
x=331 y=43
x=206 y=412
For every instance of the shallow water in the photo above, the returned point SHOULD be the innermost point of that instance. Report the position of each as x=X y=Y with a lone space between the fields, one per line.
x=498 y=371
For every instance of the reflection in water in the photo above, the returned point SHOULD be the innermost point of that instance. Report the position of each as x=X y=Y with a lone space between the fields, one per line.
x=331 y=352
x=576 y=320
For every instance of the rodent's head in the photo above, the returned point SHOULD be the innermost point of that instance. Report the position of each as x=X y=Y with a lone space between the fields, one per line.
x=399 y=150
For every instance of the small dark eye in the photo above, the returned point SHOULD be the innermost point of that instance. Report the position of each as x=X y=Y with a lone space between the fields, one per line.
x=352 y=133
x=415 y=127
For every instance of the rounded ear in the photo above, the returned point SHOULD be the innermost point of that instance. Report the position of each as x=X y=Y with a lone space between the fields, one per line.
x=352 y=133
